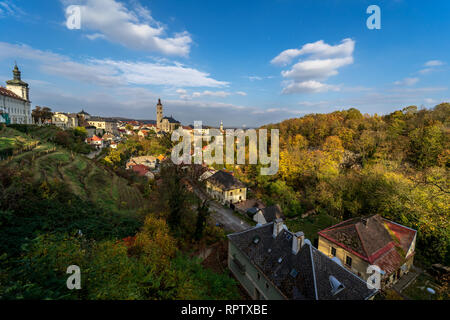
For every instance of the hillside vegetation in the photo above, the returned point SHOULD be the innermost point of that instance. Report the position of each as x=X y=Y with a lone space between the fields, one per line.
x=345 y=164
x=59 y=208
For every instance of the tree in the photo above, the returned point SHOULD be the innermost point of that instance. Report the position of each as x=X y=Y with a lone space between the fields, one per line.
x=174 y=194
x=426 y=145
x=202 y=216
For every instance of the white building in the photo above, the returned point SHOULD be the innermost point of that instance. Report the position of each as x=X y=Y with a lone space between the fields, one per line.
x=15 y=99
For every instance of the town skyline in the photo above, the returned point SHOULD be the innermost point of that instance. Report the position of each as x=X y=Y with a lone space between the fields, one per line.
x=119 y=66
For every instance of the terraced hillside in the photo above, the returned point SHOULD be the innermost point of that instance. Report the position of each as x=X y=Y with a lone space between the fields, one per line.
x=85 y=178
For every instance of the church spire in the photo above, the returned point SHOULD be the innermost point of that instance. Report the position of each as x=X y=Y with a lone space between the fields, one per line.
x=16 y=73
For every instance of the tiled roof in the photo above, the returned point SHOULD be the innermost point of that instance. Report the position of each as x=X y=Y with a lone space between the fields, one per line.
x=225 y=181
x=10 y=94
x=140 y=169
x=272 y=213
x=373 y=239
x=301 y=276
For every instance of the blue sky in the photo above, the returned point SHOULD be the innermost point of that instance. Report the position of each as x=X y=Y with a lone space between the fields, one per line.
x=247 y=62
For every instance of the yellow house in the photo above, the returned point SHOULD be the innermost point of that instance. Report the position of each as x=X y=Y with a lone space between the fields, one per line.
x=225 y=188
x=373 y=240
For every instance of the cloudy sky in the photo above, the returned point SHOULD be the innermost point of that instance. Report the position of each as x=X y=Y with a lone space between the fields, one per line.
x=247 y=63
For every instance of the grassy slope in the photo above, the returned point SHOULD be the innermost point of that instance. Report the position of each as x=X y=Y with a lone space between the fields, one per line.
x=10 y=138
x=86 y=178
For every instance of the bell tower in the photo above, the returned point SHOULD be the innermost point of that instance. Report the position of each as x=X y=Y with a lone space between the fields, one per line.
x=159 y=114
x=18 y=86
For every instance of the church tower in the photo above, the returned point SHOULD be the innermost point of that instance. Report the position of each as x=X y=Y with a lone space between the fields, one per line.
x=159 y=114
x=18 y=86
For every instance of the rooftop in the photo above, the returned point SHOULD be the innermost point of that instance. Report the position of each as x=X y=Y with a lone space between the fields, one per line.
x=10 y=94
x=225 y=181
x=307 y=275
x=373 y=239
x=272 y=213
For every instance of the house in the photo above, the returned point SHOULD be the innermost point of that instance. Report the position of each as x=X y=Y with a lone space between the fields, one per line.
x=252 y=205
x=272 y=263
x=225 y=188
x=148 y=161
x=95 y=141
x=109 y=125
x=113 y=145
x=65 y=120
x=108 y=137
x=143 y=171
x=268 y=214
x=143 y=133
x=371 y=240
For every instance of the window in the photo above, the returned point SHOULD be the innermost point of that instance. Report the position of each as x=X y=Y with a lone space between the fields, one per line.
x=348 y=261
x=231 y=193
x=333 y=251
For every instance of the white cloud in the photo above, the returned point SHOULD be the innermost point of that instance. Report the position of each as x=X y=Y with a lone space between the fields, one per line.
x=111 y=72
x=7 y=8
x=433 y=63
x=323 y=61
x=131 y=27
x=407 y=82
x=431 y=66
x=318 y=49
x=95 y=36
x=207 y=93
x=310 y=86
x=175 y=74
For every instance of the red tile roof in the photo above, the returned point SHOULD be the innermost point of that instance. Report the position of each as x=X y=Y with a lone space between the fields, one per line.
x=9 y=93
x=95 y=138
x=140 y=169
x=373 y=239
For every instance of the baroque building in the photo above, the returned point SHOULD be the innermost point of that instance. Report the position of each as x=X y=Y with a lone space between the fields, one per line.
x=15 y=101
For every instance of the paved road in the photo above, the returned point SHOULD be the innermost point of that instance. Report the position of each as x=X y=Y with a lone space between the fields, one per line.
x=225 y=216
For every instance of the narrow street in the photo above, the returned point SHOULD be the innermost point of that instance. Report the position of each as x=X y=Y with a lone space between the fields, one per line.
x=225 y=216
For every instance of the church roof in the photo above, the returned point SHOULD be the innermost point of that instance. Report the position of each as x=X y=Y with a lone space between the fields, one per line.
x=171 y=120
x=8 y=93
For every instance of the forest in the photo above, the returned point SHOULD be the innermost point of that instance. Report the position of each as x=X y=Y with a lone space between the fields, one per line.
x=346 y=164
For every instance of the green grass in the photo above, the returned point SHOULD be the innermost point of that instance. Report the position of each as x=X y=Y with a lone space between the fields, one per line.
x=311 y=225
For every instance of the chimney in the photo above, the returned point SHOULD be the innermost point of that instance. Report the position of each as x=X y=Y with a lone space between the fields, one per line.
x=277 y=227
x=297 y=242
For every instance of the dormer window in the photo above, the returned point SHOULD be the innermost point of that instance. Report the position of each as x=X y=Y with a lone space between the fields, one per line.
x=336 y=285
